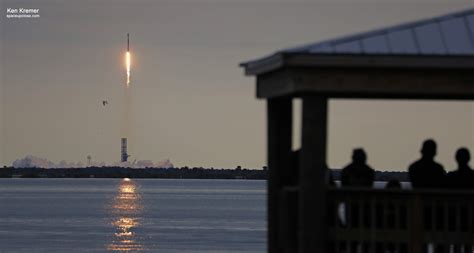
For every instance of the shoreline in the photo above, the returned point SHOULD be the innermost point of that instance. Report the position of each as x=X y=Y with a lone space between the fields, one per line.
x=151 y=173
x=167 y=173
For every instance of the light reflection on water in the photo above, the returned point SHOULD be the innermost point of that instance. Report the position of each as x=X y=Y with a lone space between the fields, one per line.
x=125 y=210
x=163 y=215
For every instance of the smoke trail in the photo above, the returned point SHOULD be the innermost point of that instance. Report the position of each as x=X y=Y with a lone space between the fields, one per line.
x=127 y=117
x=127 y=109
x=126 y=127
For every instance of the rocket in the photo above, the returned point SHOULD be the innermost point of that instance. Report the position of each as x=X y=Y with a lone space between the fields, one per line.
x=127 y=59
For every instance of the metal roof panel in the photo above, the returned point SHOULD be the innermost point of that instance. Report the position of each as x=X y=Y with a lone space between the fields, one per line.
x=470 y=26
x=448 y=35
x=376 y=45
x=430 y=39
x=351 y=47
x=403 y=42
x=456 y=36
x=435 y=36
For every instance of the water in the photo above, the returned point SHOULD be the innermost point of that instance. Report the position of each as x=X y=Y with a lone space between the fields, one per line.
x=115 y=215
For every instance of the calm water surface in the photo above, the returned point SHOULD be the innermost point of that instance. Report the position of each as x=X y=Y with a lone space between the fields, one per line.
x=116 y=215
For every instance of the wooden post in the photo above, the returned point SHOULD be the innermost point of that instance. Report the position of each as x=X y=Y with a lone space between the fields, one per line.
x=416 y=224
x=312 y=198
x=279 y=152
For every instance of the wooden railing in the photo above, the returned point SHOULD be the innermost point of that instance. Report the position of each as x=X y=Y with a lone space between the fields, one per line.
x=401 y=221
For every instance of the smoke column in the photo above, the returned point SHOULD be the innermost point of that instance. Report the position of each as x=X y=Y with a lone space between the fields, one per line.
x=127 y=108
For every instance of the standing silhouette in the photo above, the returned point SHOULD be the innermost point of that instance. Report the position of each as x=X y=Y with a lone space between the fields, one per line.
x=426 y=173
x=463 y=177
x=358 y=173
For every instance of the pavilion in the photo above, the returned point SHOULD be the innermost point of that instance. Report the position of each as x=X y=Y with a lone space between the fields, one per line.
x=431 y=59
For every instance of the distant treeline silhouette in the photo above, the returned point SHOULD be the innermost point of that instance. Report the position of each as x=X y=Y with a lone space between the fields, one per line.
x=184 y=172
x=120 y=172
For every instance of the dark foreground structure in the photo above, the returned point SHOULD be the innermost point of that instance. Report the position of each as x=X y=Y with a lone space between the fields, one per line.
x=430 y=60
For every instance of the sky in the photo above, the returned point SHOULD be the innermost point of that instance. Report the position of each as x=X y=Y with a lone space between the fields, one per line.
x=191 y=101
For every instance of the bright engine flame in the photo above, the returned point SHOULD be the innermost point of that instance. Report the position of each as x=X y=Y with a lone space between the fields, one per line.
x=127 y=63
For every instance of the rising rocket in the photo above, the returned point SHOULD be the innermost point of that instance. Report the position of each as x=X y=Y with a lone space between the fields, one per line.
x=127 y=60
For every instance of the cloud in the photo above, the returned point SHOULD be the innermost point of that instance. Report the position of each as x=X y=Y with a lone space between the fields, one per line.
x=31 y=161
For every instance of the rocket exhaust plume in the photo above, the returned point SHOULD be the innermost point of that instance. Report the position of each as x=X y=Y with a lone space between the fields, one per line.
x=128 y=60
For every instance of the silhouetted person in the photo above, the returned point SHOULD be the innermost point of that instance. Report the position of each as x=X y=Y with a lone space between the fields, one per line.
x=463 y=177
x=358 y=173
x=426 y=173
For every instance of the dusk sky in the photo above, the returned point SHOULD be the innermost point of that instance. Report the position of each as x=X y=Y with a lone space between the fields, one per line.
x=191 y=101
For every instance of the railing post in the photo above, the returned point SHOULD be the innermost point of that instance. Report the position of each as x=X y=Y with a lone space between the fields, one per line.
x=416 y=225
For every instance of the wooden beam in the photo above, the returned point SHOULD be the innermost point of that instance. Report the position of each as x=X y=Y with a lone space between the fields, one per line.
x=369 y=83
x=279 y=159
x=280 y=60
x=275 y=84
x=312 y=189
x=264 y=65
x=377 y=61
